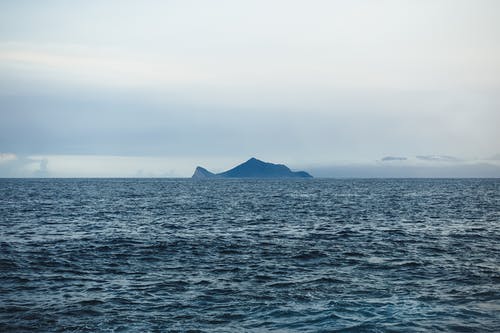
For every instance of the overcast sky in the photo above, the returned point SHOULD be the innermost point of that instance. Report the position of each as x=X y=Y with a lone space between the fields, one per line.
x=154 y=88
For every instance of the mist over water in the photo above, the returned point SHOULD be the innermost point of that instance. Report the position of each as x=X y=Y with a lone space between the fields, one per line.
x=105 y=255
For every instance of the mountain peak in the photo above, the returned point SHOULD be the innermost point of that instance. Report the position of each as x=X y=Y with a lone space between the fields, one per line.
x=201 y=173
x=254 y=161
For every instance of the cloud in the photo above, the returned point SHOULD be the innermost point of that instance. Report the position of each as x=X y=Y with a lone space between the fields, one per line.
x=42 y=172
x=13 y=165
x=437 y=158
x=183 y=166
x=110 y=166
x=220 y=44
x=471 y=170
x=7 y=157
x=393 y=158
x=100 y=67
x=194 y=79
x=495 y=157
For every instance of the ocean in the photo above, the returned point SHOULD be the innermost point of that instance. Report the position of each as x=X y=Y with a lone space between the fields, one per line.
x=320 y=255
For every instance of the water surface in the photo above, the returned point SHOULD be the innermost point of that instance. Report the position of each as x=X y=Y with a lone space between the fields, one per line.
x=105 y=255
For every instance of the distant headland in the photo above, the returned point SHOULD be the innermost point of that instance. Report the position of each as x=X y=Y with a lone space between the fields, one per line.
x=253 y=168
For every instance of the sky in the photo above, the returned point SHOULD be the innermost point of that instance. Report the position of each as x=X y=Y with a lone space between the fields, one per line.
x=339 y=88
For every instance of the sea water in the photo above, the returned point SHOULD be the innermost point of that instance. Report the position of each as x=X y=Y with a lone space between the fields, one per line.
x=139 y=255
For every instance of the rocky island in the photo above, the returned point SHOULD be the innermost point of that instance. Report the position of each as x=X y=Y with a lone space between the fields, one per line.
x=253 y=168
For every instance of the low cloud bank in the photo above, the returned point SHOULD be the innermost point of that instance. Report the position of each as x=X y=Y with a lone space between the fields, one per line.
x=422 y=166
x=14 y=166
x=7 y=157
x=437 y=158
x=473 y=170
x=393 y=158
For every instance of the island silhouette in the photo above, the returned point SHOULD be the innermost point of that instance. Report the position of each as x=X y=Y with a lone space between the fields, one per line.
x=253 y=168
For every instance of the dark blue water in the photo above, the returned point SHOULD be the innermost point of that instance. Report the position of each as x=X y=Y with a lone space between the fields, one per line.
x=245 y=255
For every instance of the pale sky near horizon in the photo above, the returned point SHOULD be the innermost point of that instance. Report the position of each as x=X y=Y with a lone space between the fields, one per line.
x=154 y=88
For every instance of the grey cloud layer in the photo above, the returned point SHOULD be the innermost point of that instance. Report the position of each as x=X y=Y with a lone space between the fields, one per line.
x=321 y=82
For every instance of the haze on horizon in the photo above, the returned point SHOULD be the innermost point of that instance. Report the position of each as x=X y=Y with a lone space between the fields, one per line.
x=338 y=88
